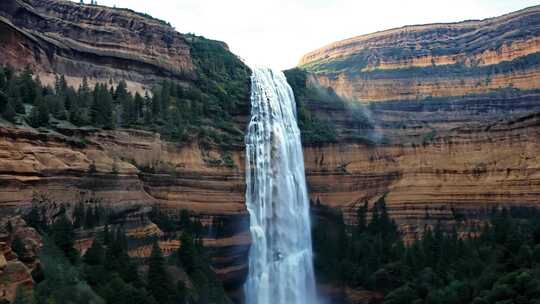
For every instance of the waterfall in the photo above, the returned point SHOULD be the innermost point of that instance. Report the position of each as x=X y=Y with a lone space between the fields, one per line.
x=281 y=257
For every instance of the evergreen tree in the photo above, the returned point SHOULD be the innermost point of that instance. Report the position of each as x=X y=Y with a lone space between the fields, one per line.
x=35 y=218
x=102 y=107
x=159 y=282
x=90 y=218
x=78 y=215
x=28 y=89
x=139 y=106
x=55 y=104
x=95 y=254
x=84 y=94
x=18 y=247
x=361 y=217
x=39 y=116
x=187 y=252
x=60 y=85
x=64 y=237
x=18 y=105
x=9 y=113
x=129 y=112
x=121 y=92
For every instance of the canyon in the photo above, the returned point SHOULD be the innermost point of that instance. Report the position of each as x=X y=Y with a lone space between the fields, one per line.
x=453 y=110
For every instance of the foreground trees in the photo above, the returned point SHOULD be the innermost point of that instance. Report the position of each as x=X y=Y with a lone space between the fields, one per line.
x=106 y=273
x=499 y=263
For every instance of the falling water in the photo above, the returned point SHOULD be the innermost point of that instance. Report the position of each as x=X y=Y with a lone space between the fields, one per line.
x=280 y=260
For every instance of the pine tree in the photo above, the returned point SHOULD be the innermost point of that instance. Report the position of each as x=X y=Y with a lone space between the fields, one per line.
x=9 y=113
x=39 y=116
x=28 y=89
x=18 y=247
x=159 y=282
x=139 y=106
x=36 y=219
x=78 y=215
x=187 y=252
x=129 y=112
x=18 y=105
x=102 y=107
x=121 y=92
x=361 y=217
x=84 y=94
x=148 y=109
x=95 y=254
x=89 y=220
x=60 y=85
x=106 y=235
x=55 y=104
x=64 y=237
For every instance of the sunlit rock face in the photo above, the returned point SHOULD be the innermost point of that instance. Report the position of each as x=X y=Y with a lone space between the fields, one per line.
x=455 y=107
x=97 y=42
x=280 y=265
x=434 y=60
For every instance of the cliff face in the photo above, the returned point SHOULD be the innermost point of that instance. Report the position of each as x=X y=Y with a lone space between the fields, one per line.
x=454 y=109
x=101 y=43
x=454 y=178
x=451 y=107
x=15 y=270
x=437 y=60
x=127 y=169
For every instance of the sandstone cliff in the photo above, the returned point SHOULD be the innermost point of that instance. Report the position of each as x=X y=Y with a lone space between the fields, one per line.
x=451 y=107
x=434 y=60
x=126 y=169
x=98 y=42
x=454 y=119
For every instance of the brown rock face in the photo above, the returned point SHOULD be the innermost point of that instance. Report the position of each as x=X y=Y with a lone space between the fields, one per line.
x=101 y=43
x=15 y=270
x=435 y=60
x=454 y=114
x=127 y=168
x=454 y=177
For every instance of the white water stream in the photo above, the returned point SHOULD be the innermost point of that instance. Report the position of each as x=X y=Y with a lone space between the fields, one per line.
x=281 y=257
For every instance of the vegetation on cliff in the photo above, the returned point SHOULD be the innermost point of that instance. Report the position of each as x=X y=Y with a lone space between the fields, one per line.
x=318 y=130
x=105 y=273
x=204 y=111
x=496 y=263
x=356 y=63
x=471 y=42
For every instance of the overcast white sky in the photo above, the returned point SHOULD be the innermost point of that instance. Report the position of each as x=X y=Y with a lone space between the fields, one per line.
x=277 y=33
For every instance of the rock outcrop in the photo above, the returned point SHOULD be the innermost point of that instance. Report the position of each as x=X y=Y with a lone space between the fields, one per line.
x=129 y=168
x=101 y=43
x=434 y=60
x=15 y=270
x=454 y=109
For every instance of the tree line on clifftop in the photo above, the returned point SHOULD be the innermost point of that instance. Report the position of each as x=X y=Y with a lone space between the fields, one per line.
x=497 y=263
x=202 y=110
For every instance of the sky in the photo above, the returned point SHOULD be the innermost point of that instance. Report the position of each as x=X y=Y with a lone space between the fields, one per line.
x=276 y=33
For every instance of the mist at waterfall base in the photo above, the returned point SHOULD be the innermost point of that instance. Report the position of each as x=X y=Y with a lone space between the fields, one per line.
x=281 y=256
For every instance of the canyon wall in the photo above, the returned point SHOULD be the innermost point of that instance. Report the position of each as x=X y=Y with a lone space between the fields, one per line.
x=434 y=60
x=454 y=113
x=451 y=124
x=100 y=43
